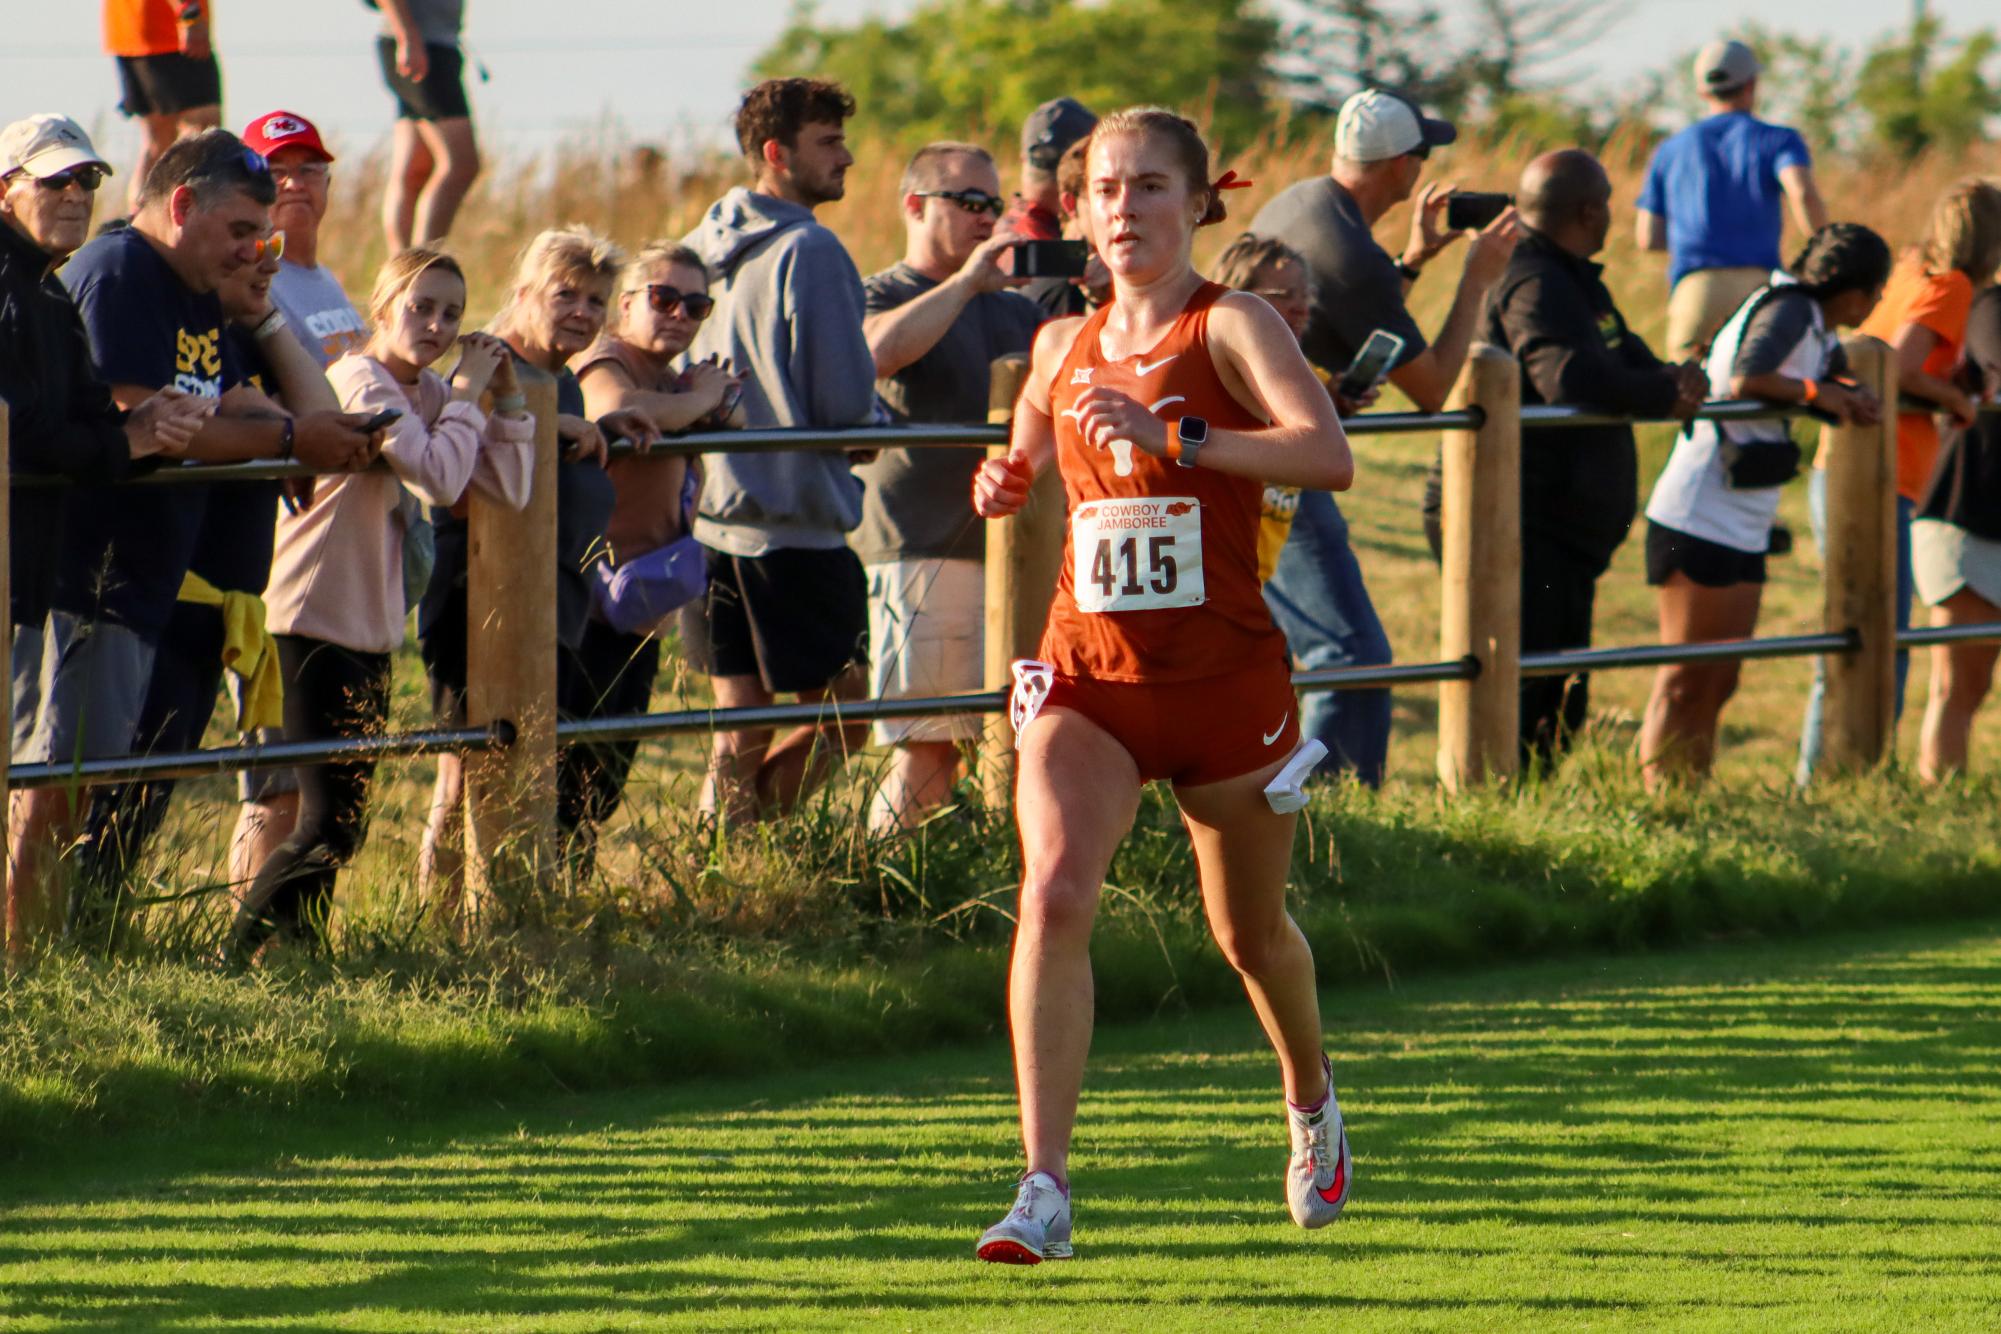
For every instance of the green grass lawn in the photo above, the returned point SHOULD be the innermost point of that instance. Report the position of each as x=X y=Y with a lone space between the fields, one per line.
x=1784 y=1137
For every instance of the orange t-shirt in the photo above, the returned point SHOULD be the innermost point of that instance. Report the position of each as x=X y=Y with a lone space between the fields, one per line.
x=1938 y=302
x=142 y=27
x=1133 y=530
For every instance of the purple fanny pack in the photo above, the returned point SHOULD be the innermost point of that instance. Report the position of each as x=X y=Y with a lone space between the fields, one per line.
x=634 y=597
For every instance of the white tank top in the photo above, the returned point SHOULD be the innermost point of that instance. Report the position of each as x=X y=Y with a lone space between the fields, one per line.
x=1693 y=494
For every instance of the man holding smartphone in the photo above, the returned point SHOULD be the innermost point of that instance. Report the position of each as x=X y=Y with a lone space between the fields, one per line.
x=936 y=322
x=1381 y=143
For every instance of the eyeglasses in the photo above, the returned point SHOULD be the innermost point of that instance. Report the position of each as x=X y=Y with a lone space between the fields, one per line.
x=664 y=299
x=270 y=247
x=973 y=201
x=86 y=177
x=310 y=172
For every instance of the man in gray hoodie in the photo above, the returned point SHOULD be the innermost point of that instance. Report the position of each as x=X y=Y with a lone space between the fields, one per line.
x=786 y=609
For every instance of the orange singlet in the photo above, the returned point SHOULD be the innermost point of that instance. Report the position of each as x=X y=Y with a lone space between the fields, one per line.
x=1159 y=632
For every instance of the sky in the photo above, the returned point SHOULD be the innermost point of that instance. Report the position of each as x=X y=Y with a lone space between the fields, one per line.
x=658 y=71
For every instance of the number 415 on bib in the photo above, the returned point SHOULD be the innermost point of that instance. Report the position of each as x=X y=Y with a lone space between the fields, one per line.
x=1137 y=554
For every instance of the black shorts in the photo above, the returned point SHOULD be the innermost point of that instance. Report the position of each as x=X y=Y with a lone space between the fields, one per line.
x=444 y=653
x=168 y=85
x=442 y=94
x=795 y=618
x=1708 y=563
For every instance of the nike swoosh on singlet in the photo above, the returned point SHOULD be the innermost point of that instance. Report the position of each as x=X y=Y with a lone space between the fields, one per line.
x=1171 y=398
x=1278 y=731
x=1074 y=414
x=1141 y=368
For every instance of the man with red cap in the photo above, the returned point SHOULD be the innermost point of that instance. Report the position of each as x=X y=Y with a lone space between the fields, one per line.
x=318 y=310
x=313 y=300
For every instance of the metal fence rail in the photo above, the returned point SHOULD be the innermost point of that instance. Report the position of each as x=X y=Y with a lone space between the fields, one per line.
x=682 y=722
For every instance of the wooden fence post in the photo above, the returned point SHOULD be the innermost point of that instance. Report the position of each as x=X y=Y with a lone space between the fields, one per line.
x=1859 y=578
x=1024 y=554
x=1480 y=611
x=511 y=673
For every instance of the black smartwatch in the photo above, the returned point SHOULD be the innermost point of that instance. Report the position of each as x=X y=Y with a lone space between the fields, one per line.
x=1192 y=433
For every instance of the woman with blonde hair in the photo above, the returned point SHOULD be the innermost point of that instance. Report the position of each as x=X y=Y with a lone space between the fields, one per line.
x=555 y=309
x=336 y=596
x=1167 y=412
x=1922 y=316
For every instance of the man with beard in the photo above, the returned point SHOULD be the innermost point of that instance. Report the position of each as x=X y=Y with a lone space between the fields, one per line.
x=786 y=610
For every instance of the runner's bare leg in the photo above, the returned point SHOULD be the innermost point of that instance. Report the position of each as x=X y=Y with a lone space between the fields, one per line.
x=1244 y=852
x=1076 y=799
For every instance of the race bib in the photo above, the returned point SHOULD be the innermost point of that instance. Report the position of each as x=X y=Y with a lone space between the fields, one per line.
x=1137 y=553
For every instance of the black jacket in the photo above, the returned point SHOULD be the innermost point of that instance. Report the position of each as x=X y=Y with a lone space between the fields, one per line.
x=61 y=418
x=1553 y=313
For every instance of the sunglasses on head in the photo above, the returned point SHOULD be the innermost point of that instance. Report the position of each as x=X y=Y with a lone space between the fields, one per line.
x=86 y=177
x=271 y=247
x=255 y=162
x=664 y=299
x=973 y=201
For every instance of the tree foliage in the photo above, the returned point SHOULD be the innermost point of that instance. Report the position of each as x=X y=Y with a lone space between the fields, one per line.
x=954 y=66
x=1926 y=92
x=1503 y=52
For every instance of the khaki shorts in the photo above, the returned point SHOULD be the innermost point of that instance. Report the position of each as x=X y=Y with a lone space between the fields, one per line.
x=927 y=636
x=1701 y=302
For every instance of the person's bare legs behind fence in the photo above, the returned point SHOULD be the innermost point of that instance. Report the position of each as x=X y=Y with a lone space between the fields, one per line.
x=1162 y=665
x=758 y=772
x=167 y=73
x=433 y=155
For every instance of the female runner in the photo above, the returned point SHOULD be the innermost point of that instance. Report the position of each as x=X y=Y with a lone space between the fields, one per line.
x=1166 y=411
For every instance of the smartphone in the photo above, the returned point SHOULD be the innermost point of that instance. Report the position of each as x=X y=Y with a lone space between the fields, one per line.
x=1474 y=209
x=1379 y=352
x=1049 y=259
x=380 y=420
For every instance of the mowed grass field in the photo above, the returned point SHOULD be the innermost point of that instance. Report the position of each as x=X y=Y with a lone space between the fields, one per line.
x=1803 y=1137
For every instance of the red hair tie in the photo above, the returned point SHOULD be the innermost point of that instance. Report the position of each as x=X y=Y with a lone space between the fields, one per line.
x=1228 y=181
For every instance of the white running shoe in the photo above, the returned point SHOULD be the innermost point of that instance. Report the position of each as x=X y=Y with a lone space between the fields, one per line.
x=1036 y=1229
x=1320 y=1172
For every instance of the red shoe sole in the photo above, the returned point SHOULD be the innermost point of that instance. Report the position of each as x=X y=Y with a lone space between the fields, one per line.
x=1008 y=1253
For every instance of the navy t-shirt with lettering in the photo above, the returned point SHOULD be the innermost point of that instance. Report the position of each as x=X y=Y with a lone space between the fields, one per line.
x=239 y=527
x=126 y=548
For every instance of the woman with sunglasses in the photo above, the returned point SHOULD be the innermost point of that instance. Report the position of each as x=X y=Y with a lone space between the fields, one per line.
x=336 y=596
x=662 y=300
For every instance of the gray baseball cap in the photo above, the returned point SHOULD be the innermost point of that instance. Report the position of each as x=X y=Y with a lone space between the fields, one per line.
x=1724 y=67
x=1051 y=128
x=1377 y=124
x=46 y=144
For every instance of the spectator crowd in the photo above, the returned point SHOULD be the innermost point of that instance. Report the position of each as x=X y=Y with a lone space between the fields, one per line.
x=206 y=326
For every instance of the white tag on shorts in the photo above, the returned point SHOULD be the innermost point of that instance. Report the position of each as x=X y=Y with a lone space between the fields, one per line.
x=1032 y=680
x=1137 y=553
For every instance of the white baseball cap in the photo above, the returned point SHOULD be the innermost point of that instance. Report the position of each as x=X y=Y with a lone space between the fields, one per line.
x=1724 y=67
x=46 y=144
x=1377 y=124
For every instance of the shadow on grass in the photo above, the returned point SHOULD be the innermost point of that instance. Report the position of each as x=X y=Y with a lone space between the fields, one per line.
x=1745 y=1109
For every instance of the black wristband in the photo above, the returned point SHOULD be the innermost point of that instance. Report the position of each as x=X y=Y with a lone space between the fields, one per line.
x=1409 y=271
x=285 y=429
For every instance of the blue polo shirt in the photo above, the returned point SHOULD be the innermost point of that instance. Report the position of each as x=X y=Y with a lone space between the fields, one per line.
x=1717 y=184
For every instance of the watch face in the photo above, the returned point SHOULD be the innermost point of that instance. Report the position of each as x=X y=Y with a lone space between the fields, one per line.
x=1193 y=431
